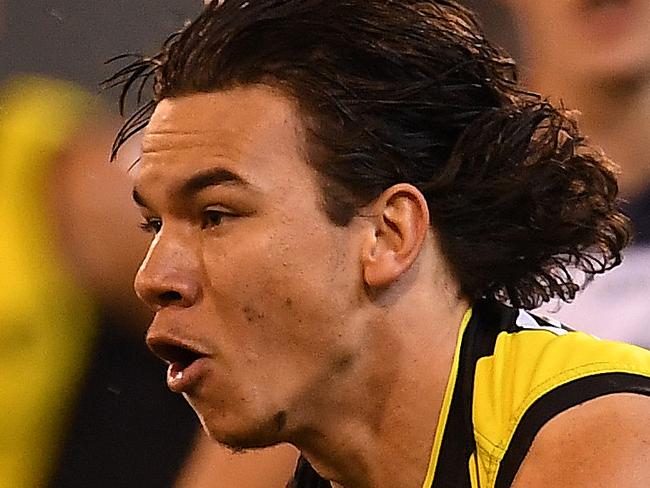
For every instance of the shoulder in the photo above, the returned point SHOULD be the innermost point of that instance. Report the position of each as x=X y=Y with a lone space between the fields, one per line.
x=540 y=373
x=545 y=354
x=538 y=368
x=603 y=442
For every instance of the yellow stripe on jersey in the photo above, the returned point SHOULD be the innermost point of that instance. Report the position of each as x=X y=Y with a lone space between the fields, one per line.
x=444 y=409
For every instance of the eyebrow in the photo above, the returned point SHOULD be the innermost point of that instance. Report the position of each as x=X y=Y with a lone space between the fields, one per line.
x=198 y=182
x=210 y=177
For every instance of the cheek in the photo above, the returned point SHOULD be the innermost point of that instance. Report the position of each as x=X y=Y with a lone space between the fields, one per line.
x=275 y=287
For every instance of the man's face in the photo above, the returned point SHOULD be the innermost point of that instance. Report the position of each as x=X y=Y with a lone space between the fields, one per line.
x=245 y=268
x=595 y=38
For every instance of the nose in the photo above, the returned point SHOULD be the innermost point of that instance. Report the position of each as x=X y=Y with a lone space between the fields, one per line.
x=168 y=276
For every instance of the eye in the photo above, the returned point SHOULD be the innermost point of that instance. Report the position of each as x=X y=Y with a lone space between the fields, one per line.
x=212 y=218
x=151 y=225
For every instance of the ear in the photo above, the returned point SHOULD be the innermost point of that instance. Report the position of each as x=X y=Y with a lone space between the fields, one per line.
x=400 y=224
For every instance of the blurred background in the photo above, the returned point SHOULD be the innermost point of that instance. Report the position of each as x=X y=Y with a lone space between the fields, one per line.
x=82 y=402
x=71 y=39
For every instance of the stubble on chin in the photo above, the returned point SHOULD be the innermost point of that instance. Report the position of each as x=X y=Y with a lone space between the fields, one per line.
x=261 y=435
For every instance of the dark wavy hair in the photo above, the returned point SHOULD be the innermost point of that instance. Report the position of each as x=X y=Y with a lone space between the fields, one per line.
x=411 y=91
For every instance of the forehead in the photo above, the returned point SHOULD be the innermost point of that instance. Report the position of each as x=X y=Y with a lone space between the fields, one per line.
x=255 y=132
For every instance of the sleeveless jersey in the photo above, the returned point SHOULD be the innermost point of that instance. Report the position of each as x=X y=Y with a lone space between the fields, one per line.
x=513 y=372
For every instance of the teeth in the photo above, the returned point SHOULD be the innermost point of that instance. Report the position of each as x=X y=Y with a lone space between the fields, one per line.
x=175 y=373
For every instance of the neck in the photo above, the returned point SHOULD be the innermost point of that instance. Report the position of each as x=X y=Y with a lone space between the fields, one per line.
x=614 y=114
x=379 y=428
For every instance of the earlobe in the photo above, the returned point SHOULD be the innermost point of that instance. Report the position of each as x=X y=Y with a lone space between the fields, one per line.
x=400 y=224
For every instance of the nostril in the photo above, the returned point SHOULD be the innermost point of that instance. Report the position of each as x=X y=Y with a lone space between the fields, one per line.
x=168 y=292
x=169 y=297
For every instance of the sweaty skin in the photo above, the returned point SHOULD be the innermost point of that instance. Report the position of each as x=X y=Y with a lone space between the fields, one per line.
x=239 y=254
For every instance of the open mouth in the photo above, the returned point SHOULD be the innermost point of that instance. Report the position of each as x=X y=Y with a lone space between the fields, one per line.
x=176 y=355
x=185 y=366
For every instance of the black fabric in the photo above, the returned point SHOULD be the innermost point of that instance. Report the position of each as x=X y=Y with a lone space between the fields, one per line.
x=556 y=401
x=458 y=442
x=639 y=212
x=128 y=430
x=307 y=477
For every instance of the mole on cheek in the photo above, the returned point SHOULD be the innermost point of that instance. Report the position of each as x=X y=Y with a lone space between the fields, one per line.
x=251 y=314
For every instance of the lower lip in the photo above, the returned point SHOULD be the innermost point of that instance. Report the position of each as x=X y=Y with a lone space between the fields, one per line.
x=183 y=379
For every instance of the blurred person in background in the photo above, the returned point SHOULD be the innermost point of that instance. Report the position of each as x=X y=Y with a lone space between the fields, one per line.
x=80 y=398
x=594 y=56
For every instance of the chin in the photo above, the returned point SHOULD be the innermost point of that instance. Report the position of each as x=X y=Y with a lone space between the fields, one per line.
x=239 y=434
